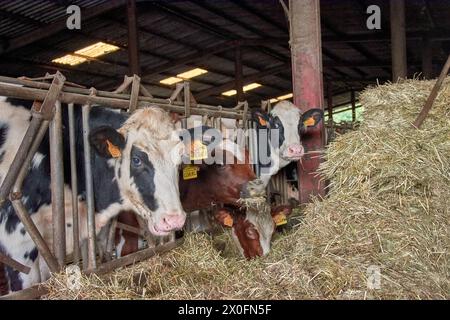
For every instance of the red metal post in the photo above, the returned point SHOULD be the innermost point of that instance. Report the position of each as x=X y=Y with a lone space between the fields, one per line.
x=306 y=51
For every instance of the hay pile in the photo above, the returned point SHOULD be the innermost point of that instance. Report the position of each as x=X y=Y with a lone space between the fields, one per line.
x=387 y=210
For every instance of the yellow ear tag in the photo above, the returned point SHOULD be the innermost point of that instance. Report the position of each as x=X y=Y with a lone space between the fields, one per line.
x=198 y=150
x=190 y=172
x=262 y=121
x=113 y=150
x=309 y=122
x=280 y=219
x=228 y=221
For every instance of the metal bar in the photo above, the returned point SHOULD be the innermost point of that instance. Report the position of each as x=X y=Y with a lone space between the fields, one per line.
x=133 y=38
x=238 y=74
x=308 y=86
x=126 y=227
x=353 y=100
x=57 y=185
x=92 y=263
x=187 y=99
x=134 y=93
x=108 y=99
x=398 y=40
x=434 y=92
x=13 y=264
x=111 y=238
x=74 y=185
x=134 y=257
x=37 y=291
x=19 y=158
x=43 y=248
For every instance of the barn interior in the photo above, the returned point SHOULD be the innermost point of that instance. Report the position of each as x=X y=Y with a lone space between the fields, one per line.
x=246 y=50
x=238 y=43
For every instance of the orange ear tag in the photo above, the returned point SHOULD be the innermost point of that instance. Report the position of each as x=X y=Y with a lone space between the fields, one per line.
x=309 y=122
x=262 y=121
x=198 y=150
x=228 y=221
x=190 y=172
x=280 y=219
x=113 y=150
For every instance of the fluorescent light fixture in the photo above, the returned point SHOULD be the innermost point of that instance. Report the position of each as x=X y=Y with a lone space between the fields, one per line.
x=284 y=97
x=246 y=88
x=280 y=98
x=183 y=76
x=93 y=51
x=273 y=100
x=170 y=81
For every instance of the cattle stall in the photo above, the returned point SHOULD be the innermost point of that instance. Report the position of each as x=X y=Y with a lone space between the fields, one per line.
x=52 y=93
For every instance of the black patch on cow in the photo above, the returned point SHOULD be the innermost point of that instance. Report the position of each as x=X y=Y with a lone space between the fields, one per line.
x=23 y=231
x=33 y=254
x=20 y=103
x=15 y=283
x=143 y=173
x=3 y=132
x=2 y=155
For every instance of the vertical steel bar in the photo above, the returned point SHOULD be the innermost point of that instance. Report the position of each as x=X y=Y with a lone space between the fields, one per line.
x=398 y=40
x=92 y=263
x=306 y=49
x=74 y=185
x=57 y=185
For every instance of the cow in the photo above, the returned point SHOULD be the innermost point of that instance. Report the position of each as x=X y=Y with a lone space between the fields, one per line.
x=220 y=185
x=135 y=160
x=279 y=135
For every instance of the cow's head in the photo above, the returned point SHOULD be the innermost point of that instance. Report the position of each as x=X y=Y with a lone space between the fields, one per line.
x=290 y=124
x=252 y=230
x=145 y=153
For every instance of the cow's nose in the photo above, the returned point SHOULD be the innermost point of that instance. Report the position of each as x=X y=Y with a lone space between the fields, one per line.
x=295 y=150
x=174 y=220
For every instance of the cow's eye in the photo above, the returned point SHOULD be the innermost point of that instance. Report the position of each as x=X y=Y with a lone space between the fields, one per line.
x=136 y=161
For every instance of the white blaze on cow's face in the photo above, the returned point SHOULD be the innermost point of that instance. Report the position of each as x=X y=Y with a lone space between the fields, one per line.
x=146 y=153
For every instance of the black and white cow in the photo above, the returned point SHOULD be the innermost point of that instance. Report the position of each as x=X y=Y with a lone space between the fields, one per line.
x=135 y=162
x=279 y=135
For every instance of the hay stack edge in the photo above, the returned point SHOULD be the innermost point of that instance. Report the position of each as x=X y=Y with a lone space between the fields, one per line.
x=381 y=233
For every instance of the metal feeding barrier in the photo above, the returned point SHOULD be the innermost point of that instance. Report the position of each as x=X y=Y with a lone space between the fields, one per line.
x=52 y=93
x=49 y=93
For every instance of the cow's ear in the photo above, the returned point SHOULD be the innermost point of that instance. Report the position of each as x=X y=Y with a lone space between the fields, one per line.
x=311 y=118
x=224 y=217
x=261 y=118
x=107 y=142
x=280 y=214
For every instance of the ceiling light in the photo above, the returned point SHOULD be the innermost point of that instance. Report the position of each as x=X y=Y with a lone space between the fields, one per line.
x=246 y=88
x=82 y=55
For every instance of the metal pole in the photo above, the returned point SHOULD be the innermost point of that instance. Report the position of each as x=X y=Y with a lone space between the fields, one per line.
x=57 y=185
x=427 y=57
x=92 y=263
x=20 y=209
x=353 y=100
x=306 y=49
x=238 y=74
x=398 y=40
x=74 y=184
x=19 y=159
x=133 y=38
